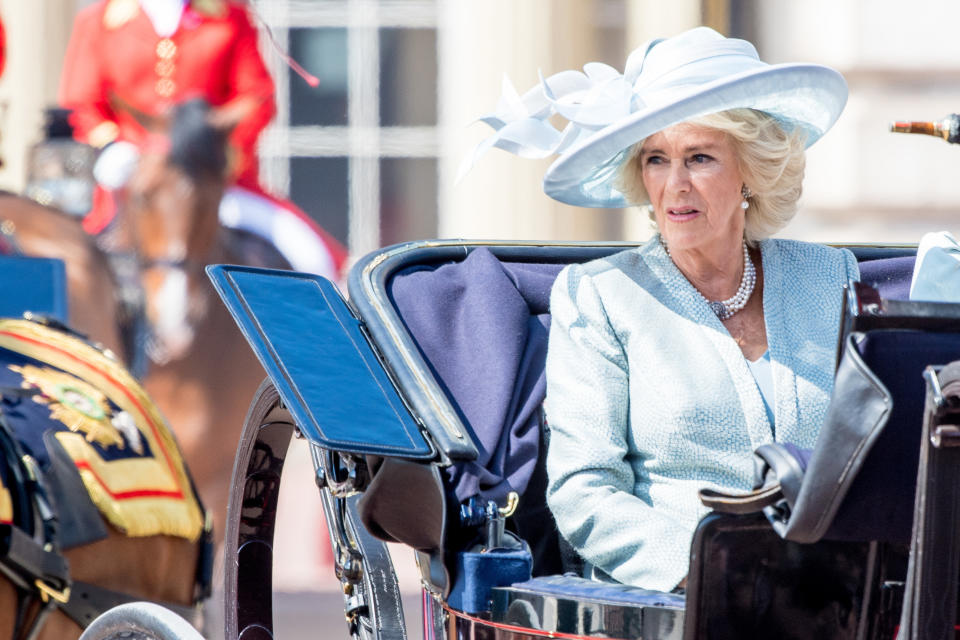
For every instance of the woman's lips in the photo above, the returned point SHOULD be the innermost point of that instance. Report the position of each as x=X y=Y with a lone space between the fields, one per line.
x=682 y=214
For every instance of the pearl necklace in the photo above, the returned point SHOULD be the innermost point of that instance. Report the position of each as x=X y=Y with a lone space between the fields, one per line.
x=725 y=309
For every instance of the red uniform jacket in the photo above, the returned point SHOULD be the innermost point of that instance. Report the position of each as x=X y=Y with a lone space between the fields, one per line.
x=115 y=58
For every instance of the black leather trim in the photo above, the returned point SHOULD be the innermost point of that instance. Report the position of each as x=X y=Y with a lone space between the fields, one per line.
x=784 y=467
x=79 y=519
x=399 y=489
x=858 y=411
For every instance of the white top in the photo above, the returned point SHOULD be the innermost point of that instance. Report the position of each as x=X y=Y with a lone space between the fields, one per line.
x=763 y=373
x=164 y=15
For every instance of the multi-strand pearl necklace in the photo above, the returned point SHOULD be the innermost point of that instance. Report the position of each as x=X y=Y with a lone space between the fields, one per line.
x=727 y=308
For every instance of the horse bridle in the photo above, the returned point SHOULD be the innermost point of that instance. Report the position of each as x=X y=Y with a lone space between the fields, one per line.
x=181 y=264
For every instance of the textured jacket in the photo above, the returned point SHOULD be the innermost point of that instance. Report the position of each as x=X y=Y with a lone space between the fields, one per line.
x=649 y=398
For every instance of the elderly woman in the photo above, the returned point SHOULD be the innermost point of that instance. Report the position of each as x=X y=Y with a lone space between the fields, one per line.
x=670 y=363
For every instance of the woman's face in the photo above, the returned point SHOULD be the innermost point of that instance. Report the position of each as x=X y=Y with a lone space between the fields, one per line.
x=692 y=175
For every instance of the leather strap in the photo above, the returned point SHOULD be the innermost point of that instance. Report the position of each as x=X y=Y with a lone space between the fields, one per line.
x=742 y=503
x=88 y=601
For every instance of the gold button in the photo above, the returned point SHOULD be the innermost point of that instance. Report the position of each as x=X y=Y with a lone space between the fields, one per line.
x=165 y=87
x=165 y=68
x=166 y=49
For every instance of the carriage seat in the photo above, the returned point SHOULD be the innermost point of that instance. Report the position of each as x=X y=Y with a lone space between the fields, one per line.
x=482 y=326
x=45 y=293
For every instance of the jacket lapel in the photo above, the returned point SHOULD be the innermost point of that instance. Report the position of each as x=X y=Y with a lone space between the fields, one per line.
x=687 y=301
x=777 y=309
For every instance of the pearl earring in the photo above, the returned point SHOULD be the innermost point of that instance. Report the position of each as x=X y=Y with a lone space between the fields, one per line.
x=744 y=205
x=746 y=193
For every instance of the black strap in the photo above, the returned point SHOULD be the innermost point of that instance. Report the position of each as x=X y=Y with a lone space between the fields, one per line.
x=88 y=601
x=30 y=560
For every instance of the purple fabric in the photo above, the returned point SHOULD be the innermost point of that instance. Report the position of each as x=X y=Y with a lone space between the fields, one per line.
x=890 y=276
x=482 y=327
x=802 y=456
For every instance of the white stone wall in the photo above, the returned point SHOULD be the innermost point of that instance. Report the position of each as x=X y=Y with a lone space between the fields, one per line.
x=902 y=62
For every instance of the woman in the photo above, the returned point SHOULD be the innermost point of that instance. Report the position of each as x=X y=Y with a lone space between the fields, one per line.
x=670 y=363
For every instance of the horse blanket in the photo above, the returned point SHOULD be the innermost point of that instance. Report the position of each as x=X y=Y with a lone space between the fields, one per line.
x=84 y=421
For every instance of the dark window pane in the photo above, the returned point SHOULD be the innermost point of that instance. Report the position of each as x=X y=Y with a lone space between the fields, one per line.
x=322 y=52
x=319 y=187
x=408 y=77
x=408 y=199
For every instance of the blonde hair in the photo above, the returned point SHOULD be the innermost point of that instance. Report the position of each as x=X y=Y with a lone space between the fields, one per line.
x=771 y=160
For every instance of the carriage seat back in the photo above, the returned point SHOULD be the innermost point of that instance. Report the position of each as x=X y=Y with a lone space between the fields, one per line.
x=45 y=293
x=891 y=277
x=482 y=325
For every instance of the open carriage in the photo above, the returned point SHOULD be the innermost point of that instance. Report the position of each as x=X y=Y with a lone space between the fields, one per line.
x=427 y=385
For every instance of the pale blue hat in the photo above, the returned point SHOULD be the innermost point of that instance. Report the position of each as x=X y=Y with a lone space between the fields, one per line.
x=665 y=82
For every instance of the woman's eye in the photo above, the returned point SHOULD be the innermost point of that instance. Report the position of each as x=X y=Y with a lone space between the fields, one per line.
x=654 y=160
x=700 y=158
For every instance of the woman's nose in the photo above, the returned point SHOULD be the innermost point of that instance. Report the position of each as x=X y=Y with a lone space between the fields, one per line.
x=678 y=178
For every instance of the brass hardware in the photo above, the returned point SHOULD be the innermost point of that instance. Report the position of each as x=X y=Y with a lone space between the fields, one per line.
x=47 y=592
x=513 y=499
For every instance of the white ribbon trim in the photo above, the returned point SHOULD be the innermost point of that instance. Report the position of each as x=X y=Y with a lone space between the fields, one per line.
x=588 y=100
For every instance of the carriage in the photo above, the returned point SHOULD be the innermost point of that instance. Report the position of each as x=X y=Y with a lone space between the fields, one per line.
x=420 y=402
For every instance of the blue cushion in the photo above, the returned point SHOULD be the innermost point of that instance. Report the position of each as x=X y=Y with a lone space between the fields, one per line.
x=477 y=573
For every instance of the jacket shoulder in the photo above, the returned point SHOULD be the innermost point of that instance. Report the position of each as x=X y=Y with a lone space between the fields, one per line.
x=800 y=248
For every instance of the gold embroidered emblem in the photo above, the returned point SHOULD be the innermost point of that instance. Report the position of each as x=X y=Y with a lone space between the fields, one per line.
x=119 y=12
x=80 y=406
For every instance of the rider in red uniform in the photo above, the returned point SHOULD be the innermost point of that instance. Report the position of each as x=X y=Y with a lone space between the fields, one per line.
x=129 y=57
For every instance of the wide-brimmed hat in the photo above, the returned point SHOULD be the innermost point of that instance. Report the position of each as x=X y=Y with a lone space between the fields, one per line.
x=665 y=82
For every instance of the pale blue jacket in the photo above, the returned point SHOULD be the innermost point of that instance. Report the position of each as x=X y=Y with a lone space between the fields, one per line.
x=649 y=398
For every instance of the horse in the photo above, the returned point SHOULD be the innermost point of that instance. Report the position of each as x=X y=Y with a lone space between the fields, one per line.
x=200 y=372
x=96 y=506
x=33 y=229
x=159 y=567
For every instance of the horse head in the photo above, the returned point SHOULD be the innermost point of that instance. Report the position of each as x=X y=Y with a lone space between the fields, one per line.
x=172 y=225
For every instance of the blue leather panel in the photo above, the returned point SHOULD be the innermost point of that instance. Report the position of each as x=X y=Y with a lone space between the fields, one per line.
x=317 y=356
x=38 y=285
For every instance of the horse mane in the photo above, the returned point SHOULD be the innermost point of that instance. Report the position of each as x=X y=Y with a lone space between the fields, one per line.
x=196 y=146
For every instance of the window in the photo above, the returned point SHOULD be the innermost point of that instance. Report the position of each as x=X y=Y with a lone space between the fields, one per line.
x=359 y=152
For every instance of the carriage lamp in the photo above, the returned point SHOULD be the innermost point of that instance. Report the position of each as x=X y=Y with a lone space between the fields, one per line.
x=60 y=169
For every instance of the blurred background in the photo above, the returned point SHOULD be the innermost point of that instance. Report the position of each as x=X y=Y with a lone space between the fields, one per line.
x=373 y=151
